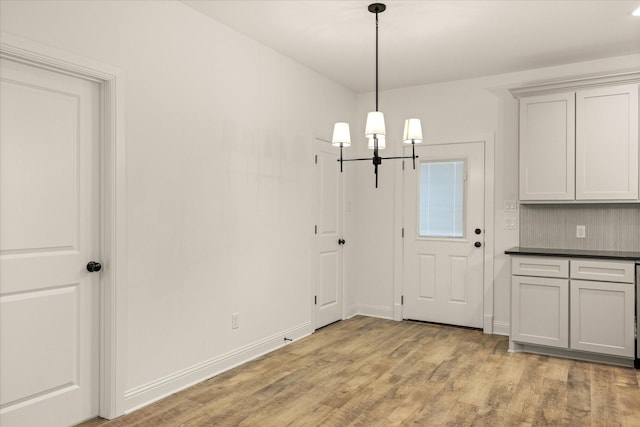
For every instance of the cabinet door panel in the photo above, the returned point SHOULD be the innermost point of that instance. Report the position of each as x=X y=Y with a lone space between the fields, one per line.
x=547 y=147
x=607 y=143
x=540 y=311
x=602 y=317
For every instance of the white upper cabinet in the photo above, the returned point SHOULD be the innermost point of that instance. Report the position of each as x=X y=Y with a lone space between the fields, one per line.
x=547 y=147
x=579 y=141
x=607 y=143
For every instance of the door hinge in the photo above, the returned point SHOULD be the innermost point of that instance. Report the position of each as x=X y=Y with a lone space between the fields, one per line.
x=315 y=300
x=316 y=159
x=401 y=299
x=403 y=232
x=315 y=229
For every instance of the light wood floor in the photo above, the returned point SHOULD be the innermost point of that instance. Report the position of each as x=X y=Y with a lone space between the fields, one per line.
x=373 y=372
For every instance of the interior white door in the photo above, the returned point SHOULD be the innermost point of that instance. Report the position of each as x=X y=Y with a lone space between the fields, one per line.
x=49 y=219
x=444 y=235
x=329 y=238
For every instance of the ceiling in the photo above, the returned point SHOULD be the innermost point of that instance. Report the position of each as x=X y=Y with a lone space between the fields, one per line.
x=432 y=41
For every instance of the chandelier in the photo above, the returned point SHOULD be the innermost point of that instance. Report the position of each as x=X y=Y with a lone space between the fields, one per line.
x=375 y=131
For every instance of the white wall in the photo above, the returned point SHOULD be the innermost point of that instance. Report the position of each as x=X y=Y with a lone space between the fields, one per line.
x=449 y=110
x=219 y=133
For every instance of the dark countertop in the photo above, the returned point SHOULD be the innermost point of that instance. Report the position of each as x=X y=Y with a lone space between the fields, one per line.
x=576 y=253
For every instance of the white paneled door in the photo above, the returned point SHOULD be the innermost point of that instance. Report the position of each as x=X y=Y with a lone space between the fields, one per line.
x=444 y=235
x=329 y=240
x=49 y=196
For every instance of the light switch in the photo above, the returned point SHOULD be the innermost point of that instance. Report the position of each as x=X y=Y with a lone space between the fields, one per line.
x=510 y=206
x=510 y=222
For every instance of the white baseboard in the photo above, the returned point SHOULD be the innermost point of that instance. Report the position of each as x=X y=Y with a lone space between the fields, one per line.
x=350 y=311
x=397 y=312
x=375 y=311
x=150 y=392
x=501 y=328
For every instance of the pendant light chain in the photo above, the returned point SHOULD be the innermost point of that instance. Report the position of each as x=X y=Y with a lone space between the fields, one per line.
x=377 y=61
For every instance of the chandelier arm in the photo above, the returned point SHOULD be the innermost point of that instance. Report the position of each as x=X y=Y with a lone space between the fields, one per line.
x=357 y=160
x=384 y=158
x=399 y=157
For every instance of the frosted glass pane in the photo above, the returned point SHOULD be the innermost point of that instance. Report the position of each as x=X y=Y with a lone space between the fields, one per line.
x=441 y=208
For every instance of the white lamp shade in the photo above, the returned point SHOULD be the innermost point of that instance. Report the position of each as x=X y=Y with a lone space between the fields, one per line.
x=341 y=135
x=381 y=143
x=375 y=124
x=412 y=131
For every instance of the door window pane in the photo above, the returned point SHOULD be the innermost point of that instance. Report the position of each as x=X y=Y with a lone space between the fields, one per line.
x=441 y=207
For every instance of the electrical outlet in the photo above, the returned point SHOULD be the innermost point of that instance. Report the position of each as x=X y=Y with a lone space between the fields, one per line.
x=581 y=231
x=235 y=317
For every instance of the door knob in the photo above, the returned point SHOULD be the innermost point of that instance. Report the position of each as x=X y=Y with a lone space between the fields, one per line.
x=477 y=244
x=94 y=266
x=478 y=231
x=341 y=241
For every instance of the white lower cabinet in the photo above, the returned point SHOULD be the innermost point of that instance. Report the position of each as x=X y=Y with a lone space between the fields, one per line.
x=566 y=312
x=541 y=314
x=602 y=317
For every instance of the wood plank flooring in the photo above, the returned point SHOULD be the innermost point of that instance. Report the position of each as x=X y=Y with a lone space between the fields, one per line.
x=374 y=372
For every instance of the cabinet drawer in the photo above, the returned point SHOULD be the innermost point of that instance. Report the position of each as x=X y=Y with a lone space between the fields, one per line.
x=607 y=271
x=540 y=266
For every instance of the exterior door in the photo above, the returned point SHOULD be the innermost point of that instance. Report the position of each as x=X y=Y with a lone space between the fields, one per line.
x=49 y=219
x=444 y=235
x=328 y=237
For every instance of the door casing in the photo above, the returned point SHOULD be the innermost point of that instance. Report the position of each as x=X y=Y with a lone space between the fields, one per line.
x=488 y=141
x=112 y=204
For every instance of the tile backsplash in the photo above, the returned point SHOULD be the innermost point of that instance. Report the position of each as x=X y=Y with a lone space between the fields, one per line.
x=608 y=226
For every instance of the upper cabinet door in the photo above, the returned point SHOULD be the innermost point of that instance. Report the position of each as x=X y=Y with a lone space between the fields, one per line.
x=607 y=143
x=547 y=147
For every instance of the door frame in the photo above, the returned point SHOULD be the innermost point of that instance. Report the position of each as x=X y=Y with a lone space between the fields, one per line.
x=315 y=268
x=488 y=141
x=112 y=232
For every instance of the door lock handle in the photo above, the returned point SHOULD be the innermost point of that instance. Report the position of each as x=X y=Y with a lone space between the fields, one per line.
x=341 y=241
x=477 y=244
x=94 y=266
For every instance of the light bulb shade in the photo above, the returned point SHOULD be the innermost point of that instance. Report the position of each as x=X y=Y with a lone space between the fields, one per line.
x=381 y=143
x=412 y=131
x=375 y=124
x=341 y=135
